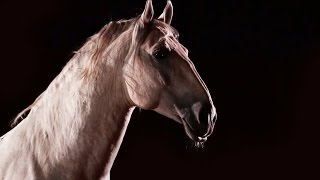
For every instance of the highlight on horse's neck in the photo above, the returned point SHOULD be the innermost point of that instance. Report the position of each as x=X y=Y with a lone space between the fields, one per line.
x=80 y=120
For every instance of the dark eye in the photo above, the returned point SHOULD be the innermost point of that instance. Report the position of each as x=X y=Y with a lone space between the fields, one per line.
x=161 y=53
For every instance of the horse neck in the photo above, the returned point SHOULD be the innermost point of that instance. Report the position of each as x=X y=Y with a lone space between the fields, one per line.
x=82 y=121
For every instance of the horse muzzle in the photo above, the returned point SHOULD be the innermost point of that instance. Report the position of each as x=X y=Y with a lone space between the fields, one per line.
x=198 y=121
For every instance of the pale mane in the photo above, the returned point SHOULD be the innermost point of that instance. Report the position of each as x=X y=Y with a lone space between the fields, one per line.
x=95 y=45
x=99 y=42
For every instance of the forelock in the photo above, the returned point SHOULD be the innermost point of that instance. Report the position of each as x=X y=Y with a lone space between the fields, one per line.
x=166 y=29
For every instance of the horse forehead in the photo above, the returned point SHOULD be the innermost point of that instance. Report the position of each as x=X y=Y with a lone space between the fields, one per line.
x=160 y=33
x=165 y=30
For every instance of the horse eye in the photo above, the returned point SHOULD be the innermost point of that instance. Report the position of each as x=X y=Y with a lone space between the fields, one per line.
x=161 y=53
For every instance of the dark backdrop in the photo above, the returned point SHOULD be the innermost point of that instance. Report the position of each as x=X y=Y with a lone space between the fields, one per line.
x=260 y=60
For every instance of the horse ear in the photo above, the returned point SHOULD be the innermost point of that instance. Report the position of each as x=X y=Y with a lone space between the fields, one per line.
x=167 y=13
x=148 y=12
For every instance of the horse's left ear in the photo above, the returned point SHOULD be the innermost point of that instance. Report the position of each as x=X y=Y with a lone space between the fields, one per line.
x=167 y=13
x=148 y=12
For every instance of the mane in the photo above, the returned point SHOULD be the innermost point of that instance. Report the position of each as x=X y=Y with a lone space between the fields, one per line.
x=96 y=46
x=100 y=41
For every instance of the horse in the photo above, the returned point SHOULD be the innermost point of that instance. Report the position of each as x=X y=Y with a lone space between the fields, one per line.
x=74 y=129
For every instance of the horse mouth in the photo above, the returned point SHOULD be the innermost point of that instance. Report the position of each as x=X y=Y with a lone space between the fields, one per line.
x=195 y=132
x=191 y=133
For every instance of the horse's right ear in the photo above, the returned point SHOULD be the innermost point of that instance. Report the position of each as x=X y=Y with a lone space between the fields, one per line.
x=148 y=12
x=166 y=16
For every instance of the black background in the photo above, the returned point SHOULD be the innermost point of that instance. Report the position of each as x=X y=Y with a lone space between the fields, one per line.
x=260 y=60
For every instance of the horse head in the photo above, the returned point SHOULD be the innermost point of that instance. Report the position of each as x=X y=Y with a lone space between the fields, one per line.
x=160 y=76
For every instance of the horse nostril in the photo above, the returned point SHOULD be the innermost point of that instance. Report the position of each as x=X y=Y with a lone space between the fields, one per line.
x=204 y=120
x=205 y=116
